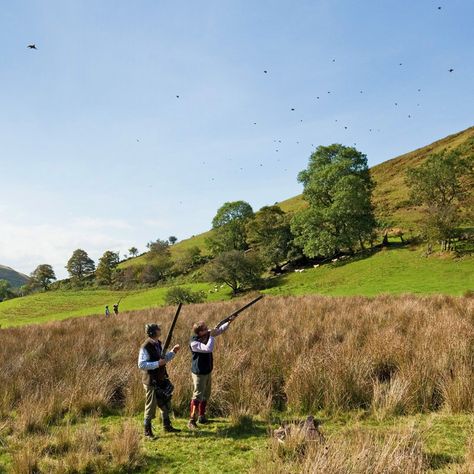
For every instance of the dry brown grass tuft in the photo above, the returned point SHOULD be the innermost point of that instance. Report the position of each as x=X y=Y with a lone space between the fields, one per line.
x=125 y=447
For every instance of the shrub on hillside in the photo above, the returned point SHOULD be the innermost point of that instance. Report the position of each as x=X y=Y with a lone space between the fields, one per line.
x=180 y=294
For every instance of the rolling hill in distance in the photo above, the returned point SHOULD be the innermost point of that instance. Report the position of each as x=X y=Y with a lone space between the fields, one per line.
x=15 y=278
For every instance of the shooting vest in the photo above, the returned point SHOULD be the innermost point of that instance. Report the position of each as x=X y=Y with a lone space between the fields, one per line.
x=152 y=377
x=202 y=363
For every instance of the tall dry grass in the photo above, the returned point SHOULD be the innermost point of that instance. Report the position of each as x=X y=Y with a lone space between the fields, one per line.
x=390 y=355
x=354 y=452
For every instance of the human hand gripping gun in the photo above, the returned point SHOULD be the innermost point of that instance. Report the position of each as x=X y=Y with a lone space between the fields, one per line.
x=232 y=316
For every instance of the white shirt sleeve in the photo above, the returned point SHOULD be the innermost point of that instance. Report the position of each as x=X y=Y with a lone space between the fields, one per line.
x=197 y=346
x=145 y=364
x=221 y=329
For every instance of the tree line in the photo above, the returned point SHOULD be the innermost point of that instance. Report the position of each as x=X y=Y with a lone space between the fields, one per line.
x=339 y=217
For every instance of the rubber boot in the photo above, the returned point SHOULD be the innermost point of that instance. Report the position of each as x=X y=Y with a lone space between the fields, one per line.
x=202 y=413
x=148 y=431
x=168 y=427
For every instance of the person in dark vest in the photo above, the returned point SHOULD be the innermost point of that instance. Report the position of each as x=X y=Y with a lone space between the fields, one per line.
x=202 y=346
x=107 y=312
x=116 y=309
x=158 y=388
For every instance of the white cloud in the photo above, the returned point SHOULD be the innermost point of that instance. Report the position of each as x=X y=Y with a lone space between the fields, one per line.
x=23 y=247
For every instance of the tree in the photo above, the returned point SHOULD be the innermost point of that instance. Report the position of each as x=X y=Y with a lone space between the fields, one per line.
x=172 y=239
x=229 y=227
x=236 y=269
x=441 y=184
x=269 y=232
x=5 y=290
x=179 y=294
x=158 y=248
x=187 y=260
x=107 y=265
x=80 y=265
x=43 y=276
x=133 y=251
x=338 y=189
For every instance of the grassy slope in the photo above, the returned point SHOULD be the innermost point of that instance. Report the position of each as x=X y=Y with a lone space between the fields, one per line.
x=394 y=270
x=56 y=305
x=389 y=177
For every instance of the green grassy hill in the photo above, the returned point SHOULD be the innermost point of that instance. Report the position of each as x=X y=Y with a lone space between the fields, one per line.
x=15 y=278
x=390 y=187
x=394 y=270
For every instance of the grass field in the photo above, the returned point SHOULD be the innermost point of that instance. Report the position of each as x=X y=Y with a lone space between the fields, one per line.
x=394 y=271
x=390 y=375
x=57 y=305
x=227 y=447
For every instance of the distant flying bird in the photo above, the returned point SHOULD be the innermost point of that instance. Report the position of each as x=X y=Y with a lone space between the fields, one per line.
x=333 y=60
x=439 y=8
x=396 y=103
x=345 y=128
x=255 y=123
x=292 y=110
x=32 y=46
x=401 y=64
x=177 y=96
x=361 y=92
x=317 y=97
x=419 y=90
x=265 y=72
x=451 y=70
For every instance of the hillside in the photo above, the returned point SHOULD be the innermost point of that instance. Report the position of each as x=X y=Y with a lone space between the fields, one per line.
x=390 y=188
x=15 y=278
x=396 y=270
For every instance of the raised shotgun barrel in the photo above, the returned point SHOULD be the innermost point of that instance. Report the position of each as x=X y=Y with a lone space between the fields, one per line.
x=235 y=313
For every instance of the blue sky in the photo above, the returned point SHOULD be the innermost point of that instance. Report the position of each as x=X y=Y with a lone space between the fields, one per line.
x=98 y=152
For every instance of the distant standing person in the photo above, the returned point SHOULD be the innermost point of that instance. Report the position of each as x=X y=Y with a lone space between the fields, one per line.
x=107 y=312
x=116 y=309
x=202 y=346
x=158 y=388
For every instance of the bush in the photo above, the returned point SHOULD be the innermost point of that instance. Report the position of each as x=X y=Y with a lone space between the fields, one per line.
x=180 y=294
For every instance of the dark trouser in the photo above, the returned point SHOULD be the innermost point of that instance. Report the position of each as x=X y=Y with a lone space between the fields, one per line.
x=151 y=402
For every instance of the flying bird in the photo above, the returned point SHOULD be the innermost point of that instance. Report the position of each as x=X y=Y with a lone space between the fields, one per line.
x=32 y=46
x=177 y=96
x=292 y=110
x=265 y=72
x=439 y=8
x=451 y=70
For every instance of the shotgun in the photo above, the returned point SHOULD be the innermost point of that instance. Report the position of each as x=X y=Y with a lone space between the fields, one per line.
x=170 y=332
x=237 y=312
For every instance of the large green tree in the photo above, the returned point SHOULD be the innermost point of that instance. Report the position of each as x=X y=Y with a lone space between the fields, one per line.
x=80 y=265
x=442 y=186
x=42 y=276
x=229 y=227
x=338 y=189
x=269 y=232
x=106 y=267
x=237 y=269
